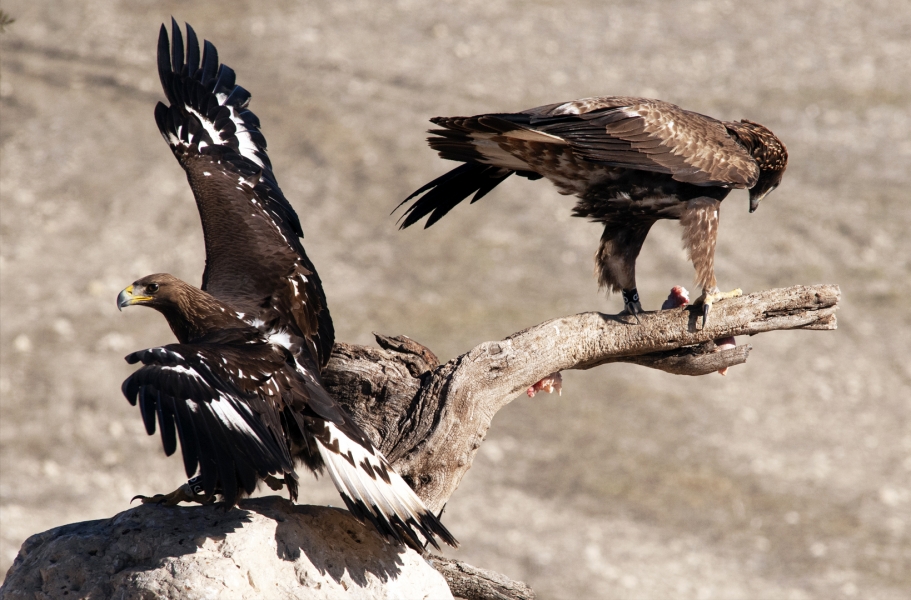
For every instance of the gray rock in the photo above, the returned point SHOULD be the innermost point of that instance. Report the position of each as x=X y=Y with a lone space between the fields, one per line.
x=266 y=548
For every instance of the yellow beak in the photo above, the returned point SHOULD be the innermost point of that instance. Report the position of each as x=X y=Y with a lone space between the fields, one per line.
x=126 y=298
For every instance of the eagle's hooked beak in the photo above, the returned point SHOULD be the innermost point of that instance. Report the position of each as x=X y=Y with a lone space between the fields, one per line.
x=756 y=197
x=754 y=202
x=126 y=298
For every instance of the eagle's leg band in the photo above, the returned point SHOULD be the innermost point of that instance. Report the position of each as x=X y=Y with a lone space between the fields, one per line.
x=631 y=302
x=194 y=484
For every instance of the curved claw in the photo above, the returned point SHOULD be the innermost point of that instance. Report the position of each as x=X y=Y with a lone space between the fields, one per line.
x=181 y=494
x=708 y=299
x=156 y=499
x=634 y=308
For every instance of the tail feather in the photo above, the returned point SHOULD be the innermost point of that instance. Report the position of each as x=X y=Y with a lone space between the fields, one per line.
x=374 y=492
x=445 y=192
x=473 y=141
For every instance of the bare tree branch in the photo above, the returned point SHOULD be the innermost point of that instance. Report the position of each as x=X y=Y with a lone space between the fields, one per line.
x=430 y=419
x=471 y=583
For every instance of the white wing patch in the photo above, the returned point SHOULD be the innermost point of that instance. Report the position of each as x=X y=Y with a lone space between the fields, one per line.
x=570 y=108
x=227 y=413
x=245 y=144
x=184 y=371
x=280 y=338
x=233 y=414
x=363 y=483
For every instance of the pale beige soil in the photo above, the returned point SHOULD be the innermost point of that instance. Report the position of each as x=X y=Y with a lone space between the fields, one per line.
x=789 y=478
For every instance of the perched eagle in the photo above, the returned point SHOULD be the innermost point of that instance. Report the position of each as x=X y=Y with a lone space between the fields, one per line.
x=242 y=390
x=245 y=409
x=630 y=161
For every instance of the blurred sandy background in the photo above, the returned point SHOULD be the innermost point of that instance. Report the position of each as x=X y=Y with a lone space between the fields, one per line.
x=790 y=478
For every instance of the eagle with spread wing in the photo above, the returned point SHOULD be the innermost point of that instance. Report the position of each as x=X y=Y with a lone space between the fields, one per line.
x=630 y=161
x=241 y=390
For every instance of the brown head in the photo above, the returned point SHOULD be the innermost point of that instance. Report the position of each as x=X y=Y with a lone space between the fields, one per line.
x=190 y=312
x=769 y=153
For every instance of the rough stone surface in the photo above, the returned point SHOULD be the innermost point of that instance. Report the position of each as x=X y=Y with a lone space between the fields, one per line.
x=267 y=548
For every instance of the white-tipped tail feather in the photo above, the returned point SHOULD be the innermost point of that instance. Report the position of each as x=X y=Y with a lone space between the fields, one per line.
x=373 y=491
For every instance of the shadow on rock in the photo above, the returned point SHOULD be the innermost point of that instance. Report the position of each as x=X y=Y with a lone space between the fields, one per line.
x=267 y=547
x=345 y=548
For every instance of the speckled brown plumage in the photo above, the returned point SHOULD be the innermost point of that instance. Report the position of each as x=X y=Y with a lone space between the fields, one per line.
x=630 y=161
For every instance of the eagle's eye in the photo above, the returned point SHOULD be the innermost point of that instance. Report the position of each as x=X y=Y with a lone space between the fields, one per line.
x=152 y=288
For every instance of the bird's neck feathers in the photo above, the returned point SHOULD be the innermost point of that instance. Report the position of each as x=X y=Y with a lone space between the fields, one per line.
x=765 y=148
x=195 y=313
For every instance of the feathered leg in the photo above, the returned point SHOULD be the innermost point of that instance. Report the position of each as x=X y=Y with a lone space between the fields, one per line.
x=615 y=262
x=700 y=232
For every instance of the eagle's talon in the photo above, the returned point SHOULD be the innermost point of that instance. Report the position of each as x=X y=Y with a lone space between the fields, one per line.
x=709 y=298
x=181 y=494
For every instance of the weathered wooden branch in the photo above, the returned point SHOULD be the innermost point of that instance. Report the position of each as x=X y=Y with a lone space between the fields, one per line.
x=471 y=583
x=430 y=419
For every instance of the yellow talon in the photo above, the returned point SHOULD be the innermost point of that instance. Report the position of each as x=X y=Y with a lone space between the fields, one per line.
x=181 y=494
x=707 y=299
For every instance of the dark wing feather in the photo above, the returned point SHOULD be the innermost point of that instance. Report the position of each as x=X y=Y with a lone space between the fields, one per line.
x=649 y=135
x=254 y=257
x=206 y=396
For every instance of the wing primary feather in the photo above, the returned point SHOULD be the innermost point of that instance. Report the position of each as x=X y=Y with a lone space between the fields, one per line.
x=192 y=52
x=222 y=457
x=189 y=447
x=130 y=389
x=209 y=62
x=176 y=47
x=147 y=407
x=165 y=408
x=164 y=57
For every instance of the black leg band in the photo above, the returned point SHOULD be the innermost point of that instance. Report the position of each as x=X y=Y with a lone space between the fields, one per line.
x=630 y=296
x=195 y=485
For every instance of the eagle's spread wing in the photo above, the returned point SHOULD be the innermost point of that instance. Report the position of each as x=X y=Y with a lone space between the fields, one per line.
x=254 y=257
x=216 y=397
x=243 y=408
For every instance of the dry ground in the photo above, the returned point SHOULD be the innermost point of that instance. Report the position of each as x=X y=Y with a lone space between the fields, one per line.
x=790 y=478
